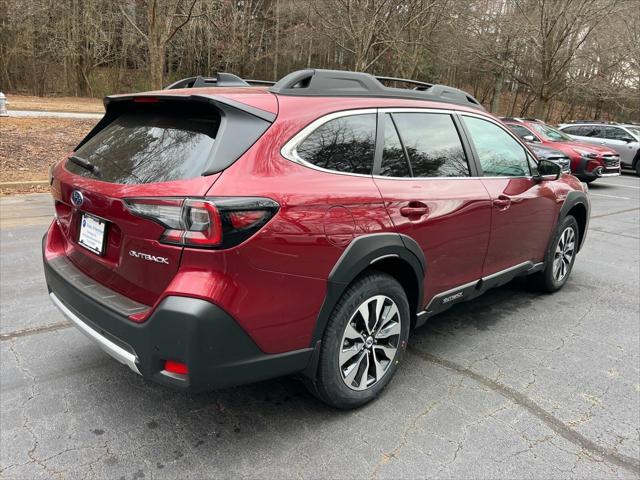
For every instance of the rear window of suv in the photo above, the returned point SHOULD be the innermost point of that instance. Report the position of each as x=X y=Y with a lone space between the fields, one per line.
x=155 y=145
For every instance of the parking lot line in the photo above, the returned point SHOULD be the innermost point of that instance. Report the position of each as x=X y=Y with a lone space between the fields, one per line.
x=609 y=196
x=618 y=185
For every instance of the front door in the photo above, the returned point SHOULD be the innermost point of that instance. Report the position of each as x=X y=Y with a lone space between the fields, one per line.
x=524 y=210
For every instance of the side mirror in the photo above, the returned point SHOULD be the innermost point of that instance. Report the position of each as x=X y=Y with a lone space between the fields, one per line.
x=548 y=170
x=529 y=138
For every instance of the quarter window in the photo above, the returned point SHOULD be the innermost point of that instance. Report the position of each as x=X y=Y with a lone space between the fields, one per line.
x=394 y=161
x=499 y=154
x=344 y=144
x=433 y=144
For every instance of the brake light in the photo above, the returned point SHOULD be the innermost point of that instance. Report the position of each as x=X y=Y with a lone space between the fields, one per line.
x=146 y=100
x=221 y=222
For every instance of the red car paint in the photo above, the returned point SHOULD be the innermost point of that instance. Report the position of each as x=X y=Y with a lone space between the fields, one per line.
x=274 y=283
x=568 y=147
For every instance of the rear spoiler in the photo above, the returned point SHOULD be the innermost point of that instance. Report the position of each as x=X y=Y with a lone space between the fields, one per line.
x=242 y=120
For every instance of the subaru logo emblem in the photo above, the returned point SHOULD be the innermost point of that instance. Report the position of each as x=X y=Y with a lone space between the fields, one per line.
x=77 y=198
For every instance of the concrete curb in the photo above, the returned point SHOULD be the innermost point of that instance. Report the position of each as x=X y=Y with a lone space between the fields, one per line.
x=29 y=183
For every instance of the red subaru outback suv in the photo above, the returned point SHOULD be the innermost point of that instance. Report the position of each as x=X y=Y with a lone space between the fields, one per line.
x=217 y=233
x=588 y=162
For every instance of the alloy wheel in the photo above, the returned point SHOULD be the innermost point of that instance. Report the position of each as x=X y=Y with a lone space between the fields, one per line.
x=370 y=342
x=565 y=250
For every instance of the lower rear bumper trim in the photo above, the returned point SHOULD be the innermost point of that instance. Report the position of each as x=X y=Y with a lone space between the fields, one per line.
x=116 y=351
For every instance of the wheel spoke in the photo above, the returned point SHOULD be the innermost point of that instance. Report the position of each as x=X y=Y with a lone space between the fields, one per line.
x=364 y=313
x=379 y=310
x=352 y=370
x=390 y=329
x=351 y=333
x=348 y=353
x=364 y=377
x=379 y=368
x=388 y=350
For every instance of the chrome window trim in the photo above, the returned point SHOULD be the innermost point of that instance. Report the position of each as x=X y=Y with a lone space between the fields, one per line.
x=289 y=149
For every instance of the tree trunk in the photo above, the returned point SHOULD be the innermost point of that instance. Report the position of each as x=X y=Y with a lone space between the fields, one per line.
x=497 y=91
x=156 y=65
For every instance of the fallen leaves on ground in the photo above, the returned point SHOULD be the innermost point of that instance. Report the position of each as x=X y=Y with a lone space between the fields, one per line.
x=29 y=146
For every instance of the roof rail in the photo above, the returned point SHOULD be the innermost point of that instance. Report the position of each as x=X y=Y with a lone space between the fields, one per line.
x=531 y=119
x=338 y=83
x=221 y=80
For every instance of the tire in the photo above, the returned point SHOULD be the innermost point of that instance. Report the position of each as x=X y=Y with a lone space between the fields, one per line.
x=589 y=180
x=357 y=362
x=638 y=167
x=560 y=257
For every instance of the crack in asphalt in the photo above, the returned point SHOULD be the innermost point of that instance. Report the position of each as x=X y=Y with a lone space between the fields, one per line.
x=403 y=441
x=26 y=332
x=628 y=463
x=614 y=213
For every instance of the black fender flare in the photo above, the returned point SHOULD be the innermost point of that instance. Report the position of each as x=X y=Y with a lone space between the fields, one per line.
x=574 y=198
x=362 y=252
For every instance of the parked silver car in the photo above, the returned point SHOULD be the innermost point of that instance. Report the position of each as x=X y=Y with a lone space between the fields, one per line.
x=624 y=139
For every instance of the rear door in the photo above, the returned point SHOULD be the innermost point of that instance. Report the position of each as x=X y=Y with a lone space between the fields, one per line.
x=432 y=195
x=524 y=210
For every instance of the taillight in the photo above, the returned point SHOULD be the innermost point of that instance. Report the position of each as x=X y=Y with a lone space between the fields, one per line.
x=220 y=222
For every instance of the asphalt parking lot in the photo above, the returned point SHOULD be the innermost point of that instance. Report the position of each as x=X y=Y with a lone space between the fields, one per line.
x=512 y=385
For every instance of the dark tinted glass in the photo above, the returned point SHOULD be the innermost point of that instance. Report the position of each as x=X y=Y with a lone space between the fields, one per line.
x=521 y=131
x=345 y=144
x=394 y=161
x=433 y=144
x=499 y=154
x=573 y=130
x=593 y=131
x=150 y=147
x=615 y=133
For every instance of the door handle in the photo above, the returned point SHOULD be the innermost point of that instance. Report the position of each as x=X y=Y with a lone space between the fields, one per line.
x=414 y=209
x=502 y=202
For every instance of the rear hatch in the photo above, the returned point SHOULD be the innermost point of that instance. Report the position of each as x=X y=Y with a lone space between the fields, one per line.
x=148 y=154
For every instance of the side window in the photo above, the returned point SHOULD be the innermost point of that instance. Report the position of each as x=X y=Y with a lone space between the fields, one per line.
x=573 y=130
x=344 y=144
x=615 y=133
x=499 y=154
x=593 y=131
x=394 y=161
x=521 y=131
x=433 y=144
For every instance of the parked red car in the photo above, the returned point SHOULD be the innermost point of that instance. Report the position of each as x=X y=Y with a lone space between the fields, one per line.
x=210 y=235
x=588 y=162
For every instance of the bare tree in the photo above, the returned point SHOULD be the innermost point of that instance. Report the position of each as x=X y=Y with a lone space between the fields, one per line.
x=165 y=18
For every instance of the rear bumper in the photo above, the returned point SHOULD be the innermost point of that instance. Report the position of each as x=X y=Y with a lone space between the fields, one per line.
x=216 y=350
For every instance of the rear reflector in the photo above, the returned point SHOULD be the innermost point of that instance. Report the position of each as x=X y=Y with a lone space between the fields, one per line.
x=172 y=366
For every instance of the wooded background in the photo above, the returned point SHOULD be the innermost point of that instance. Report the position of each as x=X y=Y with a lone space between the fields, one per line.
x=553 y=59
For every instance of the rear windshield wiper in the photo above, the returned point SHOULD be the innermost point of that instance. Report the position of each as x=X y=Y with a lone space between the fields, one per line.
x=86 y=164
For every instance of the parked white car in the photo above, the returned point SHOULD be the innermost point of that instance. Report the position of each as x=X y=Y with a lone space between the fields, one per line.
x=624 y=139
